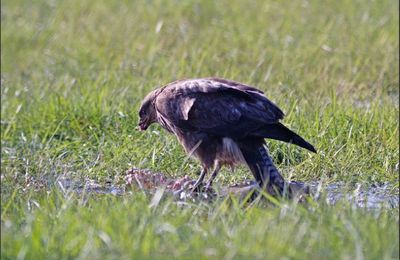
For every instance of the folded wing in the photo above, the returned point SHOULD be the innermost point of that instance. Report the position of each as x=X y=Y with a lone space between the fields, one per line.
x=217 y=107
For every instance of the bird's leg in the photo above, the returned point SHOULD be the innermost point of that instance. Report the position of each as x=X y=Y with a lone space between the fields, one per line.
x=213 y=175
x=199 y=180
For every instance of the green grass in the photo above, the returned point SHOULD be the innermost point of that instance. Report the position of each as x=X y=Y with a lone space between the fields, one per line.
x=73 y=74
x=126 y=227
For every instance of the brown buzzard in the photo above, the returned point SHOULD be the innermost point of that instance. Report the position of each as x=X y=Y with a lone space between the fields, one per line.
x=221 y=122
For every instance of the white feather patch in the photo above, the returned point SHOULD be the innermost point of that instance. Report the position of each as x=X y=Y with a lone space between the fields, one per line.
x=186 y=106
x=231 y=151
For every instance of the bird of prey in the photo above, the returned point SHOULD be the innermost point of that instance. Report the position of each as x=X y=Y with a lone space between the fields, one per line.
x=221 y=122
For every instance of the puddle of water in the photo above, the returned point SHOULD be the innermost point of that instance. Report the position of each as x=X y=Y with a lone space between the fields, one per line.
x=68 y=185
x=371 y=197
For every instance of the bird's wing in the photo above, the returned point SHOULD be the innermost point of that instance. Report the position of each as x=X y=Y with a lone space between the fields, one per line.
x=216 y=106
x=223 y=86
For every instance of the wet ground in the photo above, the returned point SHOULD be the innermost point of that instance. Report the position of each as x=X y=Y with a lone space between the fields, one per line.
x=372 y=196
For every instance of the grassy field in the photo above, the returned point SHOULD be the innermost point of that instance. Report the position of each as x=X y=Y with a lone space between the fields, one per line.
x=72 y=77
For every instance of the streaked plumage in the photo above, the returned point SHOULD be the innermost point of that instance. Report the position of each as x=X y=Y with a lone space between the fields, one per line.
x=221 y=122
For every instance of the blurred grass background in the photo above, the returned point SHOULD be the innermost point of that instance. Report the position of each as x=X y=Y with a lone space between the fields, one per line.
x=73 y=74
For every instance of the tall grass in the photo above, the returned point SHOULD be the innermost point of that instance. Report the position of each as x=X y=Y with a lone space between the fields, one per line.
x=57 y=227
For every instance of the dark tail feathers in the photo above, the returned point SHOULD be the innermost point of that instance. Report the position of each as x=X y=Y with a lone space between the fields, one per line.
x=261 y=165
x=280 y=132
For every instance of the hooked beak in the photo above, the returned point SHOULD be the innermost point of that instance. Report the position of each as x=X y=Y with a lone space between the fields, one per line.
x=142 y=126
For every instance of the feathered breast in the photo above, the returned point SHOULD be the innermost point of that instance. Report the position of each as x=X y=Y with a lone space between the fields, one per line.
x=229 y=152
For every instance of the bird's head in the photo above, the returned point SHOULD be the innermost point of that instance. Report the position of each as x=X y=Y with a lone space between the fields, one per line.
x=147 y=111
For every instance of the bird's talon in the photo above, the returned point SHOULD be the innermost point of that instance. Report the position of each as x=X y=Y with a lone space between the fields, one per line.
x=208 y=188
x=197 y=188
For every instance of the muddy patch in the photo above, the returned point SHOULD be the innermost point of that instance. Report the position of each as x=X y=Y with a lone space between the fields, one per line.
x=373 y=196
x=68 y=185
x=365 y=196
